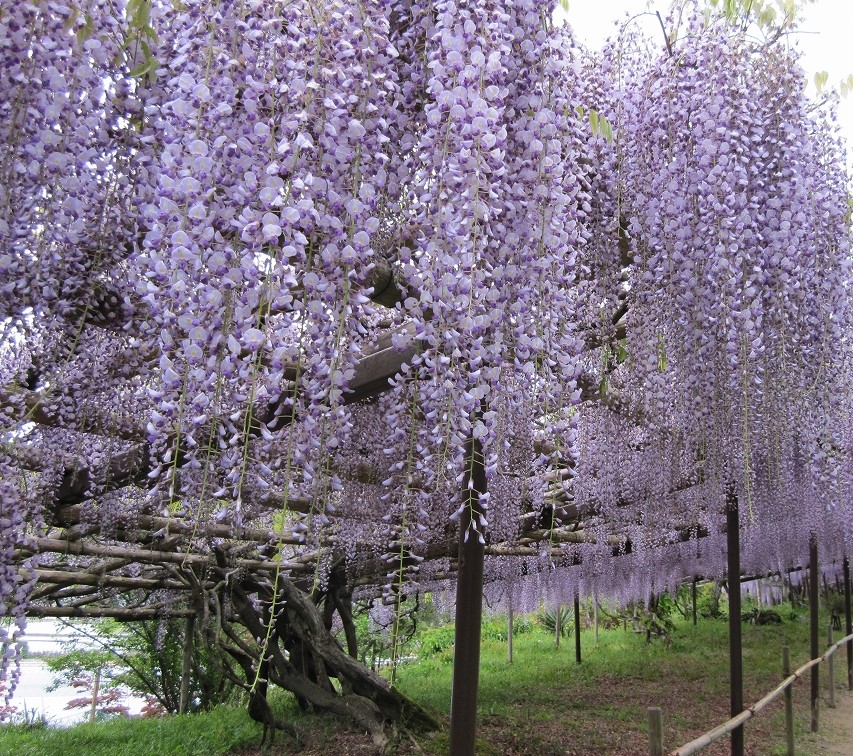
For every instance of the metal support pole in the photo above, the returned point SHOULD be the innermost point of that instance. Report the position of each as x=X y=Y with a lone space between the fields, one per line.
x=848 y=623
x=186 y=667
x=789 y=702
x=735 y=641
x=694 y=601
x=469 y=615
x=577 y=629
x=814 y=647
x=655 y=731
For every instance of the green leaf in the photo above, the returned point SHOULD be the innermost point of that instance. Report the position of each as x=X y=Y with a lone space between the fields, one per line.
x=820 y=79
x=143 y=69
x=593 y=121
x=86 y=31
x=606 y=129
x=564 y=4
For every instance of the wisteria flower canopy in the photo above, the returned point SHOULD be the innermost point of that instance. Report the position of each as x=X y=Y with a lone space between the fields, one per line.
x=276 y=277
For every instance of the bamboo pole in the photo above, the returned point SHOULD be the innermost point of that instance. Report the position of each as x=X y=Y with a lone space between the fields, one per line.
x=712 y=735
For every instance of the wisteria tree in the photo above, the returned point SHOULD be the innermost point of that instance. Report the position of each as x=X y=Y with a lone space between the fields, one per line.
x=295 y=295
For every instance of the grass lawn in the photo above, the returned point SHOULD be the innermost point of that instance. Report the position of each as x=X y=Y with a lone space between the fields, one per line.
x=543 y=703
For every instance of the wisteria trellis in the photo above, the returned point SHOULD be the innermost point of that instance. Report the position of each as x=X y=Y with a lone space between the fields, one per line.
x=624 y=274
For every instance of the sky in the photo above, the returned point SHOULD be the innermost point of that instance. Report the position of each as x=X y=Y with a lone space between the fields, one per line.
x=825 y=38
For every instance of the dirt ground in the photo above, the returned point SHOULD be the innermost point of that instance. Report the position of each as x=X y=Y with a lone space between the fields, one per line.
x=550 y=737
x=835 y=736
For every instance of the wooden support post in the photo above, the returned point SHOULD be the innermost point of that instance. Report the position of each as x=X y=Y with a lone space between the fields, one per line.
x=848 y=623
x=735 y=641
x=789 y=702
x=577 y=629
x=655 y=731
x=595 y=616
x=509 y=631
x=96 y=686
x=830 y=668
x=469 y=615
x=186 y=666
x=557 y=628
x=693 y=591
x=814 y=648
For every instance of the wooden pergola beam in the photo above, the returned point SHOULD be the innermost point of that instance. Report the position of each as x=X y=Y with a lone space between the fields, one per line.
x=122 y=614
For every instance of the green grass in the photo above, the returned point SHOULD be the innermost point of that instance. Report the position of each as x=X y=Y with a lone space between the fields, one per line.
x=610 y=690
x=543 y=703
x=207 y=734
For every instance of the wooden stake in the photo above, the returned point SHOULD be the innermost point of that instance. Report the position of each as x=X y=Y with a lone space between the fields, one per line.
x=830 y=668
x=557 y=623
x=789 y=701
x=509 y=632
x=655 y=731
x=96 y=685
x=694 y=600
x=595 y=616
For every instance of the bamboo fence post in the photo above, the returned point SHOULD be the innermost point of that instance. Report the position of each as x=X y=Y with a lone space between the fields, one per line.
x=655 y=731
x=789 y=701
x=830 y=668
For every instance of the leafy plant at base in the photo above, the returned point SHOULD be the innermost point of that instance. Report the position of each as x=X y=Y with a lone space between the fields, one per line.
x=145 y=658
